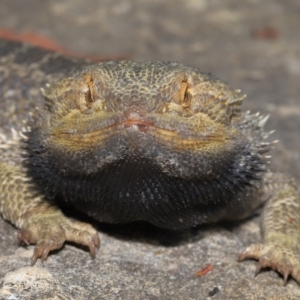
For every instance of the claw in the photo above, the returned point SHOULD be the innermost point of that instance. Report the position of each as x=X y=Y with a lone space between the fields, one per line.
x=45 y=253
x=243 y=254
x=285 y=268
x=258 y=269
x=285 y=278
x=93 y=244
x=33 y=258
x=96 y=240
x=23 y=237
x=253 y=251
x=92 y=249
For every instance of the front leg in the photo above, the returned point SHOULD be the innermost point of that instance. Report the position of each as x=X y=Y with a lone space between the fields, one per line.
x=40 y=223
x=47 y=227
x=280 y=249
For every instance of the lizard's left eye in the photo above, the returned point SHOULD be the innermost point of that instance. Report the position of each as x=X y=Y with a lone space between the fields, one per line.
x=185 y=96
x=89 y=95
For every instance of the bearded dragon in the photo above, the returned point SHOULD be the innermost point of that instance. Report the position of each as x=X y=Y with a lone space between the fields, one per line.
x=126 y=141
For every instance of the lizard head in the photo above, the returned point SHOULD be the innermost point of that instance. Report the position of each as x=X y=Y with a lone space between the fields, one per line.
x=151 y=119
x=152 y=110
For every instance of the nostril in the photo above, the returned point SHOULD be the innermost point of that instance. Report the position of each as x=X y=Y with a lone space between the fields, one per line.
x=133 y=114
x=133 y=118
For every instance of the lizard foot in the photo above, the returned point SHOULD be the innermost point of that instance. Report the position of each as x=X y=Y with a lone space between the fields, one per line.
x=281 y=255
x=49 y=229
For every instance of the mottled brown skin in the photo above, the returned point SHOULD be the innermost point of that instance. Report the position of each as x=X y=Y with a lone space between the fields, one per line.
x=125 y=141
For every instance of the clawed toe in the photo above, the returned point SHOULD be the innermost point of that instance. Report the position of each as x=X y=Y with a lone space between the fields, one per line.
x=270 y=256
x=42 y=251
x=50 y=230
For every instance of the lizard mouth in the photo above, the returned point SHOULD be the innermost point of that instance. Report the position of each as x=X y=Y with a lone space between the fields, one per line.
x=137 y=124
x=135 y=127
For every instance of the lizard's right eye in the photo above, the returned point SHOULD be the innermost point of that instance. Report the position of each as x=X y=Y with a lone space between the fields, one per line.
x=185 y=96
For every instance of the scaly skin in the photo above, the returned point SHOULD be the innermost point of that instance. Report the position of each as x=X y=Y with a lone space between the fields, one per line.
x=124 y=141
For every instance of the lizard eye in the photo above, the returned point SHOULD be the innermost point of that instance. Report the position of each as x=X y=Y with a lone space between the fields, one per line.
x=185 y=96
x=89 y=94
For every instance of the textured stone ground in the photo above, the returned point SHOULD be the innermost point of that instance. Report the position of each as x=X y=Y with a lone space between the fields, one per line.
x=255 y=46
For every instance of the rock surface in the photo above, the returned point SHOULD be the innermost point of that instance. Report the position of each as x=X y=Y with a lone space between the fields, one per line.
x=253 y=45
